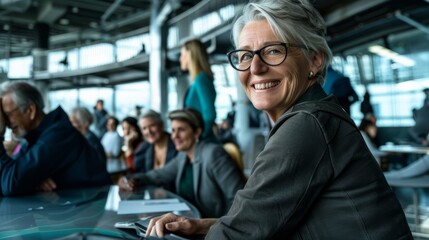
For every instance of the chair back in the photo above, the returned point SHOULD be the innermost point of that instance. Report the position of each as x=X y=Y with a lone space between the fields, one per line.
x=235 y=153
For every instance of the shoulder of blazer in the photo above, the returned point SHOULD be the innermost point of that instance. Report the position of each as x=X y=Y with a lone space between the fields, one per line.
x=205 y=151
x=311 y=107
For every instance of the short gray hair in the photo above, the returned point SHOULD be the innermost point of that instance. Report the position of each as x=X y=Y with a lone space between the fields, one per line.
x=153 y=115
x=82 y=115
x=23 y=94
x=293 y=21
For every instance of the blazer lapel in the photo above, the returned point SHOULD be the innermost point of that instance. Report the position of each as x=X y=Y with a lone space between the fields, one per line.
x=196 y=168
x=149 y=158
x=181 y=158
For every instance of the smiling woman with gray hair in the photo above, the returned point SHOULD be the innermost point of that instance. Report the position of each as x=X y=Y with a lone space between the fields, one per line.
x=315 y=178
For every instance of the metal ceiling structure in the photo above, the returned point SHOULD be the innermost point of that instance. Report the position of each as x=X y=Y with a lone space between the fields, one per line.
x=82 y=21
x=71 y=22
x=351 y=23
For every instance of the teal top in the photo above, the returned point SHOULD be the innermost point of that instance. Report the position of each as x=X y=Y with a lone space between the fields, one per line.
x=186 y=184
x=201 y=96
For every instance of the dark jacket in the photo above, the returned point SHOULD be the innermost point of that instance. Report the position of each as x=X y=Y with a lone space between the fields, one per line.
x=100 y=122
x=315 y=179
x=144 y=159
x=94 y=141
x=216 y=177
x=55 y=149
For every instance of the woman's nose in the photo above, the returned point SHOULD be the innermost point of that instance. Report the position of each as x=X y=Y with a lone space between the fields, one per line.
x=257 y=65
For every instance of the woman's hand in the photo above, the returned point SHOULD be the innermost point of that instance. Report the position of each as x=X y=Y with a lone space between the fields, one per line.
x=173 y=223
x=127 y=184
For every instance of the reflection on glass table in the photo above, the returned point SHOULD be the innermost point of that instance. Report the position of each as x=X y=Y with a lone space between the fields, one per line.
x=75 y=211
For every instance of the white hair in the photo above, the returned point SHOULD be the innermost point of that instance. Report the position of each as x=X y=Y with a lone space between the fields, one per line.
x=293 y=21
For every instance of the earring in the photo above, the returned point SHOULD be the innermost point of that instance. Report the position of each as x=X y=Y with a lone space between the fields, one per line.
x=310 y=75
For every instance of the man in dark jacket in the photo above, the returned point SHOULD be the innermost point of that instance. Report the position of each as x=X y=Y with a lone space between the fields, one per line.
x=100 y=118
x=81 y=119
x=53 y=152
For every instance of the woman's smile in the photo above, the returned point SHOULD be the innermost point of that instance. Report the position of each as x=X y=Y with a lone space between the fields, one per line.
x=266 y=85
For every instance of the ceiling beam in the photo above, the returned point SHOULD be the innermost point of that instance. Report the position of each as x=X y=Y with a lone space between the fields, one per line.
x=349 y=10
x=412 y=22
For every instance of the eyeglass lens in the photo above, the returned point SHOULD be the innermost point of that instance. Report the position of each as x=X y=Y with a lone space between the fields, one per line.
x=272 y=55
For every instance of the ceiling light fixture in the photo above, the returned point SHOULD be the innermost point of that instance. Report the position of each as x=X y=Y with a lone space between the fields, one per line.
x=394 y=56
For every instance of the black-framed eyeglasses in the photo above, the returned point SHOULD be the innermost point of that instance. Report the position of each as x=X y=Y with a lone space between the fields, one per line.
x=272 y=55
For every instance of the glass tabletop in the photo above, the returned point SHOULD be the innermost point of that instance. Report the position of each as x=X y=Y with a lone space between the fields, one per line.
x=89 y=210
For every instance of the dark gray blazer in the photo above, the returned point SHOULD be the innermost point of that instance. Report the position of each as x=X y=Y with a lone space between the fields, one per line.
x=315 y=179
x=216 y=178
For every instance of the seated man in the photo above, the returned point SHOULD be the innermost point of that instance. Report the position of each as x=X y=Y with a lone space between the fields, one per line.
x=81 y=119
x=54 y=149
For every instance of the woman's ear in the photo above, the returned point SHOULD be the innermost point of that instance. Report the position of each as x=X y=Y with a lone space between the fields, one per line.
x=316 y=62
x=198 y=133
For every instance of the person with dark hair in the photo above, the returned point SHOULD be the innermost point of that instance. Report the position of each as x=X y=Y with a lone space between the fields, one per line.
x=226 y=133
x=100 y=118
x=366 y=106
x=203 y=173
x=201 y=94
x=54 y=154
x=315 y=177
x=112 y=141
x=160 y=148
x=133 y=141
x=420 y=131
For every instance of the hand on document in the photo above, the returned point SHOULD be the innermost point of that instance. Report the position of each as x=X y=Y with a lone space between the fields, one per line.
x=126 y=184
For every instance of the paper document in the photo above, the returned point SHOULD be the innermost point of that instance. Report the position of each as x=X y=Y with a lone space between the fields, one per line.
x=150 y=206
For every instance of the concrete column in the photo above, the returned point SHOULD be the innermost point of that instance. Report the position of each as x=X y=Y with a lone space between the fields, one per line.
x=182 y=86
x=157 y=64
x=40 y=58
x=241 y=125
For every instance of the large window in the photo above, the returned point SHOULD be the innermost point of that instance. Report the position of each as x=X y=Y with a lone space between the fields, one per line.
x=395 y=86
x=226 y=89
x=119 y=102
x=20 y=67
x=130 y=47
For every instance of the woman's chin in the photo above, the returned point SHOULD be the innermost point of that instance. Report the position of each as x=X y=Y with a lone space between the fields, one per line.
x=262 y=106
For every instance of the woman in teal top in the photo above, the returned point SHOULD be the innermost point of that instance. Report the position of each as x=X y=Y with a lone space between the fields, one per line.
x=201 y=94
